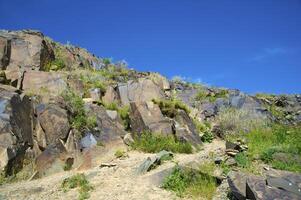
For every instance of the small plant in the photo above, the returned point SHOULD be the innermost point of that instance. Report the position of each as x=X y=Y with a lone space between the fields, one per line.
x=78 y=181
x=106 y=61
x=207 y=137
x=55 y=65
x=242 y=160
x=191 y=183
x=78 y=117
x=152 y=143
x=120 y=154
x=170 y=107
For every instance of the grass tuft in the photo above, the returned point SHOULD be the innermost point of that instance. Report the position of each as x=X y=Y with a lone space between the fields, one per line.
x=152 y=143
x=192 y=183
x=78 y=181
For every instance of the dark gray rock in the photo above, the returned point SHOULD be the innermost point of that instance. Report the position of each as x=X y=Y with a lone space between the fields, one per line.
x=237 y=184
x=151 y=163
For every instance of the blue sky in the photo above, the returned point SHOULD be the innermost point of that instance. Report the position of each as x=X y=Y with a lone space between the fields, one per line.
x=254 y=45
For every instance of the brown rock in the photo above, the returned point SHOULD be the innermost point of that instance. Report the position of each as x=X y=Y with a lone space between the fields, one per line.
x=142 y=90
x=54 y=121
x=110 y=96
x=44 y=83
x=147 y=116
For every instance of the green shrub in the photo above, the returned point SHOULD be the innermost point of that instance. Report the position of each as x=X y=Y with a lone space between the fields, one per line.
x=55 y=65
x=152 y=143
x=242 y=160
x=78 y=181
x=203 y=94
x=191 y=183
x=265 y=142
x=124 y=113
x=120 y=154
x=106 y=61
x=170 y=107
x=78 y=117
x=207 y=137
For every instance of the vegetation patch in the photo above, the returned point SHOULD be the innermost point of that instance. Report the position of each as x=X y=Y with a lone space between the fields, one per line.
x=78 y=181
x=191 y=183
x=120 y=154
x=152 y=143
x=169 y=107
x=266 y=142
x=204 y=94
x=78 y=117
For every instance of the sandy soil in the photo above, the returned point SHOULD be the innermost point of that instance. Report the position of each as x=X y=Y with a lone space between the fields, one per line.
x=115 y=183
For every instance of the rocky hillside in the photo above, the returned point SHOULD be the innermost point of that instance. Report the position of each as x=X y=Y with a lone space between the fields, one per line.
x=62 y=107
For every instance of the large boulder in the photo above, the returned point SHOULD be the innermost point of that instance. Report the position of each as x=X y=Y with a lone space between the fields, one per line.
x=110 y=95
x=44 y=83
x=109 y=130
x=53 y=160
x=147 y=116
x=54 y=121
x=277 y=185
x=141 y=90
x=185 y=129
x=25 y=49
x=15 y=127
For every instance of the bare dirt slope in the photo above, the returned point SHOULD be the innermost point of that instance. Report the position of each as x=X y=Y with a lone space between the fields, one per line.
x=115 y=183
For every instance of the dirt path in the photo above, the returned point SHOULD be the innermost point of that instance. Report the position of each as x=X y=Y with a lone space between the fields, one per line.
x=114 y=183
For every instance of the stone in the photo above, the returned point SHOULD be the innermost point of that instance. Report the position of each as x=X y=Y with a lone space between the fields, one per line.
x=70 y=144
x=128 y=139
x=147 y=116
x=256 y=188
x=52 y=160
x=160 y=80
x=284 y=184
x=187 y=130
x=88 y=141
x=16 y=131
x=142 y=90
x=237 y=184
x=112 y=114
x=54 y=121
x=15 y=76
x=95 y=94
x=76 y=85
x=44 y=83
x=151 y=163
x=110 y=96
x=5 y=45
x=109 y=130
x=26 y=49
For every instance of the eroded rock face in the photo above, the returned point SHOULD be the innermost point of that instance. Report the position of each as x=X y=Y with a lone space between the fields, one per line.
x=185 y=129
x=109 y=130
x=278 y=185
x=147 y=116
x=142 y=90
x=110 y=96
x=54 y=121
x=26 y=49
x=44 y=83
x=15 y=126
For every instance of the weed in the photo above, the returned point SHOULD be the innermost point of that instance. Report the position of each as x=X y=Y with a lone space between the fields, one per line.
x=170 y=107
x=78 y=117
x=78 y=181
x=242 y=160
x=191 y=183
x=152 y=143
x=120 y=154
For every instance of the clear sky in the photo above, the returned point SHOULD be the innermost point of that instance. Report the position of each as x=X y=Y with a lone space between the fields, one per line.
x=252 y=45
